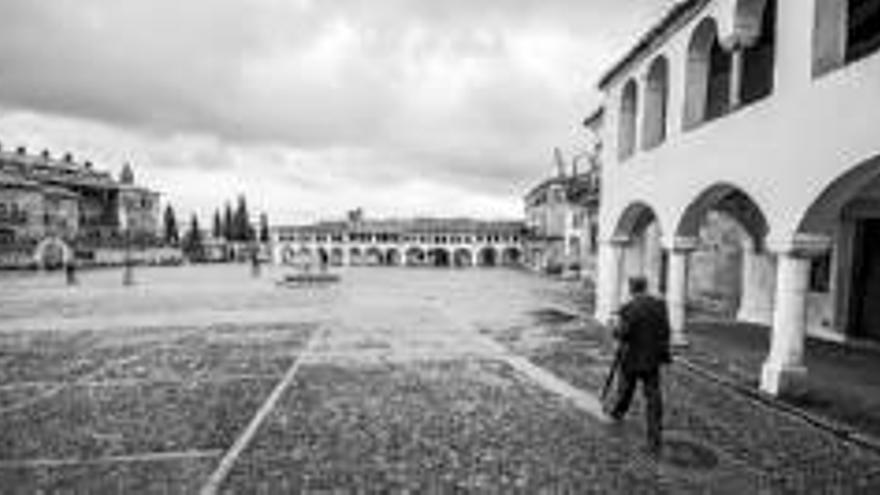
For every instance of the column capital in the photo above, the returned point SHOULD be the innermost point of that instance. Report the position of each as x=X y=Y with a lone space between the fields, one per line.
x=682 y=244
x=802 y=245
x=618 y=240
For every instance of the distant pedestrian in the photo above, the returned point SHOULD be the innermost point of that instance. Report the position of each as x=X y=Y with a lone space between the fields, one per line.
x=643 y=334
x=255 y=263
x=70 y=271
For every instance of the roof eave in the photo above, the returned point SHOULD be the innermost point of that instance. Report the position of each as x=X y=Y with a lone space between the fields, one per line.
x=677 y=12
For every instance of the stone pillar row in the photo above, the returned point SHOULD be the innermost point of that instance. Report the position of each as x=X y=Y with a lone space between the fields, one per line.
x=783 y=371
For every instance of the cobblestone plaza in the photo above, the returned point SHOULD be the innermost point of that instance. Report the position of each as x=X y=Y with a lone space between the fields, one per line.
x=396 y=380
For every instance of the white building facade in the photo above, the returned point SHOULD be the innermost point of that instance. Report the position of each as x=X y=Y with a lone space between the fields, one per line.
x=765 y=113
x=418 y=242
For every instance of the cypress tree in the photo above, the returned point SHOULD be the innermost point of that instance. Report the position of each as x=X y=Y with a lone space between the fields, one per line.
x=243 y=230
x=217 y=231
x=171 y=236
x=193 y=246
x=227 y=222
x=264 y=228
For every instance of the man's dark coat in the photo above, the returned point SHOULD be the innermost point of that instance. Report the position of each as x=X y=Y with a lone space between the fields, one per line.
x=644 y=332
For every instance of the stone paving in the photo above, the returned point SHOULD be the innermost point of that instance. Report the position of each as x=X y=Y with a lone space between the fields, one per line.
x=788 y=454
x=405 y=385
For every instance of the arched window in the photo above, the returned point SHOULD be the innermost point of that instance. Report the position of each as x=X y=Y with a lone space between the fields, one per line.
x=628 y=111
x=758 y=59
x=707 y=91
x=656 y=94
x=718 y=97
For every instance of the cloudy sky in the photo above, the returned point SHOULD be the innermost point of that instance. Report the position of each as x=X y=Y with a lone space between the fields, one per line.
x=313 y=107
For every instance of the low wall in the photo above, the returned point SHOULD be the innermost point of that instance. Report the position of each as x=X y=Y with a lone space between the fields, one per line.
x=149 y=256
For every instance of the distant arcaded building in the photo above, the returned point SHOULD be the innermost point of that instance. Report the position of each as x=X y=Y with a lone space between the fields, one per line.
x=50 y=205
x=442 y=242
x=759 y=117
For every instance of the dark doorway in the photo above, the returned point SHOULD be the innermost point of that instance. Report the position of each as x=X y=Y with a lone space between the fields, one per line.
x=439 y=257
x=866 y=293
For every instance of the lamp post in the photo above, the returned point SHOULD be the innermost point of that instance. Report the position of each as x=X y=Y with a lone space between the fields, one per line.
x=128 y=271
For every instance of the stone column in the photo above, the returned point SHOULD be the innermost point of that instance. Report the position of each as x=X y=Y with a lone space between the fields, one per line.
x=677 y=287
x=783 y=371
x=610 y=268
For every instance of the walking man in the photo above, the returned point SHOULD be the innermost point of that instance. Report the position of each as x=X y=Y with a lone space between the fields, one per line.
x=643 y=335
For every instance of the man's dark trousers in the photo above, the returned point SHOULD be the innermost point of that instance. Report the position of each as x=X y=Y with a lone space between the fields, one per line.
x=626 y=387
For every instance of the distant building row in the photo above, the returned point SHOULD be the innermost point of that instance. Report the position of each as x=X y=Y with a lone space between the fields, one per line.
x=401 y=242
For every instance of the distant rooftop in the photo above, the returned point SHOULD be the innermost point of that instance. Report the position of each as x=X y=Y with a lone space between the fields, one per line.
x=412 y=225
x=29 y=169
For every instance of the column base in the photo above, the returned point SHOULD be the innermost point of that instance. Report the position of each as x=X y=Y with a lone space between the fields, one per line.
x=779 y=379
x=758 y=316
x=679 y=340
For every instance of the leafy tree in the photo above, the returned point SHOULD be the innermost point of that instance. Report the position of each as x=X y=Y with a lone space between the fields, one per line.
x=264 y=228
x=171 y=235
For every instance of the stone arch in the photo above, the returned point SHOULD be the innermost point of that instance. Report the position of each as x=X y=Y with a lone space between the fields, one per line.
x=374 y=256
x=821 y=216
x=656 y=98
x=843 y=226
x=288 y=255
x=635 y=217
x=52 y=253
x=393 y=257
x=511 y=256
x=355 y=256
x=730 y=274
x=487 y=256
x=463 y=257
x=304 y=256
x=438 y=256
x=415 y=256
x=337 y=256
x=7 y=235
x=638 y=230
x=731 y=200
x=626 y=140
x=707 y=83
x=323 y=256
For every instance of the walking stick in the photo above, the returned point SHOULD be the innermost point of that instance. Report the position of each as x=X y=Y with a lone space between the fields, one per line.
x=612 y=372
